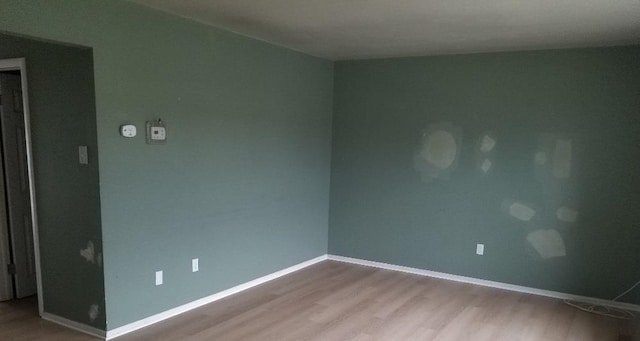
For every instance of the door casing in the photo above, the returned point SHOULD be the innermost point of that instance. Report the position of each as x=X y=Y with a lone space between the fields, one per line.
x=19 y=64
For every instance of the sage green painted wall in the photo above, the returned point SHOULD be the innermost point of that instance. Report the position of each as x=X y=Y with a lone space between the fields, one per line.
x=382 y=211
x=243 y=180
x=62 y=116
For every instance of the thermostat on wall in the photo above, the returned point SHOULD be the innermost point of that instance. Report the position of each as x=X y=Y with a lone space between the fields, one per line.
x=128 y=130
x=156 y=132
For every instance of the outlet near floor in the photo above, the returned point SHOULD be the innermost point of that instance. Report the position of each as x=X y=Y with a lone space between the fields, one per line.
x=159 y=279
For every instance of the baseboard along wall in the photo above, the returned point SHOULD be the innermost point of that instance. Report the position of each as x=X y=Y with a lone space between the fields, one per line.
x=128 y=328
x=110 y=334
x=81 y=327
x=486 y=283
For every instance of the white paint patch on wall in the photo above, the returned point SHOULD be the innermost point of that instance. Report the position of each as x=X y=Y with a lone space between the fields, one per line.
x=548 y=243
x=94 y=312
x=485 y=152
x=437 y=154
x=486 y=166
x=487 y=143
x=89 y=252
x=562 y=159
x=566 y=214
x=540 y=158
x=441 y=149
x=554 y=158
x=521 y=211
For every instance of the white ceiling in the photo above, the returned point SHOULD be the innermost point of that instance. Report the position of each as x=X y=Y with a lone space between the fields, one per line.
x=357 y=29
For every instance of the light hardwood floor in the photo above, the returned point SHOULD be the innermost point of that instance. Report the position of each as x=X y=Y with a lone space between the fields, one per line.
x=336 y=301
x=19 y=321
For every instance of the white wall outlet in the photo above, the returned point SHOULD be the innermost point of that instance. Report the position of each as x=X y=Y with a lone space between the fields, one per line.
x=480 y=249
x=158 y=277
x=194 y=265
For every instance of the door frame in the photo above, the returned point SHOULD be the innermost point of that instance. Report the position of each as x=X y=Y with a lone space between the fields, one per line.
x=20 y=64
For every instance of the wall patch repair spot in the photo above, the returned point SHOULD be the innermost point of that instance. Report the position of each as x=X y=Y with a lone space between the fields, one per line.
x=94 y=312
x=521 y=211
x=485 y=153
x=562 y=159
x=567 y=214
x=548 y=243
x=487 y=143
x=89 y=253
x=553 y=159
x=437 y=154
x=486 y=166
x=540 y=158
x=441 y=149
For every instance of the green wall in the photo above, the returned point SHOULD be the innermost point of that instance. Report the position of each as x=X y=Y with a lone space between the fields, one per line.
x=62 y=116
x=381 y=210
x=243 y=180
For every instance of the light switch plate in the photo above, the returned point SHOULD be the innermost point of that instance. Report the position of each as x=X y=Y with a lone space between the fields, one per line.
x=194 y=265
x=480 y=249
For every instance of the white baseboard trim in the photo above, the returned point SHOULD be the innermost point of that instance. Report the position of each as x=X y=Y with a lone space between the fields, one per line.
x=74 y=325
x=206 y=300
x=486 y=283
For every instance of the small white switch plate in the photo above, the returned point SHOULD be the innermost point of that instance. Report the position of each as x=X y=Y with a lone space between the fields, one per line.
x=158 y=277
x=194 y=265
x=83 y=156
x=480 y=249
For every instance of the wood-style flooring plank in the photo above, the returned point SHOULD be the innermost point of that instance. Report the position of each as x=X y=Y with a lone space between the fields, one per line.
x=333 y=301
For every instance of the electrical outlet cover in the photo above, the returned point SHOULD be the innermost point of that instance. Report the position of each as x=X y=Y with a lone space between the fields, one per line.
x=159 y=279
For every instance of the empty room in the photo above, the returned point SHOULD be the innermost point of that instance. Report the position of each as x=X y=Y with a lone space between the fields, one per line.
x=319 y=170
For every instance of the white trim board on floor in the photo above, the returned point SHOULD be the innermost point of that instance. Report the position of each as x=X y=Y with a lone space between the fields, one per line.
x=73 y=325
x=110 y=334
x=486 y=283
x=128 y=328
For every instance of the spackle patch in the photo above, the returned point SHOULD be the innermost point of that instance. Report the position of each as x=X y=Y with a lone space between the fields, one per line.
x=486 y=166
x=562 y=159
x=485 y=153
x=567 y=214
x=540 y=158
x=522 y=212
x=437 y=154
x=89 y=253
x=548 y=243
x=441 y=149
x=487 y=144
x=94 y=312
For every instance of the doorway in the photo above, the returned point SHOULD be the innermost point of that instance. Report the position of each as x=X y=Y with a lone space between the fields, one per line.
x=19 y=263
